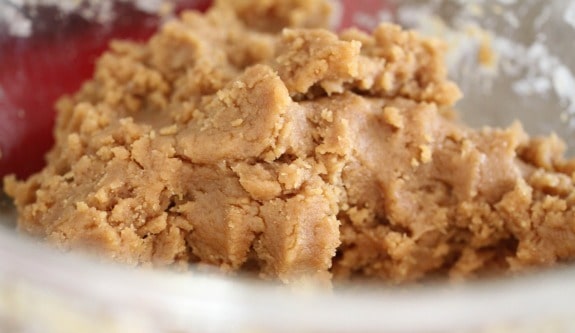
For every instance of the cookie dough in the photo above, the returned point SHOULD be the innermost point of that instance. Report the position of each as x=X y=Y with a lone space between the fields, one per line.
x=250 y=137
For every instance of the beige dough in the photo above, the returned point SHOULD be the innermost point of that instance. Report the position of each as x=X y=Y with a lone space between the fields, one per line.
x=297 y=152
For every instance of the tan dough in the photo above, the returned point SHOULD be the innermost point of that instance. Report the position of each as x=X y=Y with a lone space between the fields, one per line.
x=227 y=141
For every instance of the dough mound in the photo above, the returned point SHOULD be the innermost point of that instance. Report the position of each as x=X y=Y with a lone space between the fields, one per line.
x=252 y=138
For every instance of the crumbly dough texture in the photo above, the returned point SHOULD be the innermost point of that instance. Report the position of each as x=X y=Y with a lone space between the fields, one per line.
x=229 y=140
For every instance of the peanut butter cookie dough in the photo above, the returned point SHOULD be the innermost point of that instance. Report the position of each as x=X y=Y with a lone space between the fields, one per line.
x=229 y=140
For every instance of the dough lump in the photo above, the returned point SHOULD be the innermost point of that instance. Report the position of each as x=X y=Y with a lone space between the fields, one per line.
x=250 y=137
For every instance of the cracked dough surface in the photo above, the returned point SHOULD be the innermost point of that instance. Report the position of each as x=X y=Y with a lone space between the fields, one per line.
x=229 y=141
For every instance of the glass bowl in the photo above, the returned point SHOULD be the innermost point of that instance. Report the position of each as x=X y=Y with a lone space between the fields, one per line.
x=512 y=59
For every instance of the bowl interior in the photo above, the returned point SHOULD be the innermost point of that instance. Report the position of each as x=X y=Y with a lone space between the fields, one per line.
x=530 y=78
